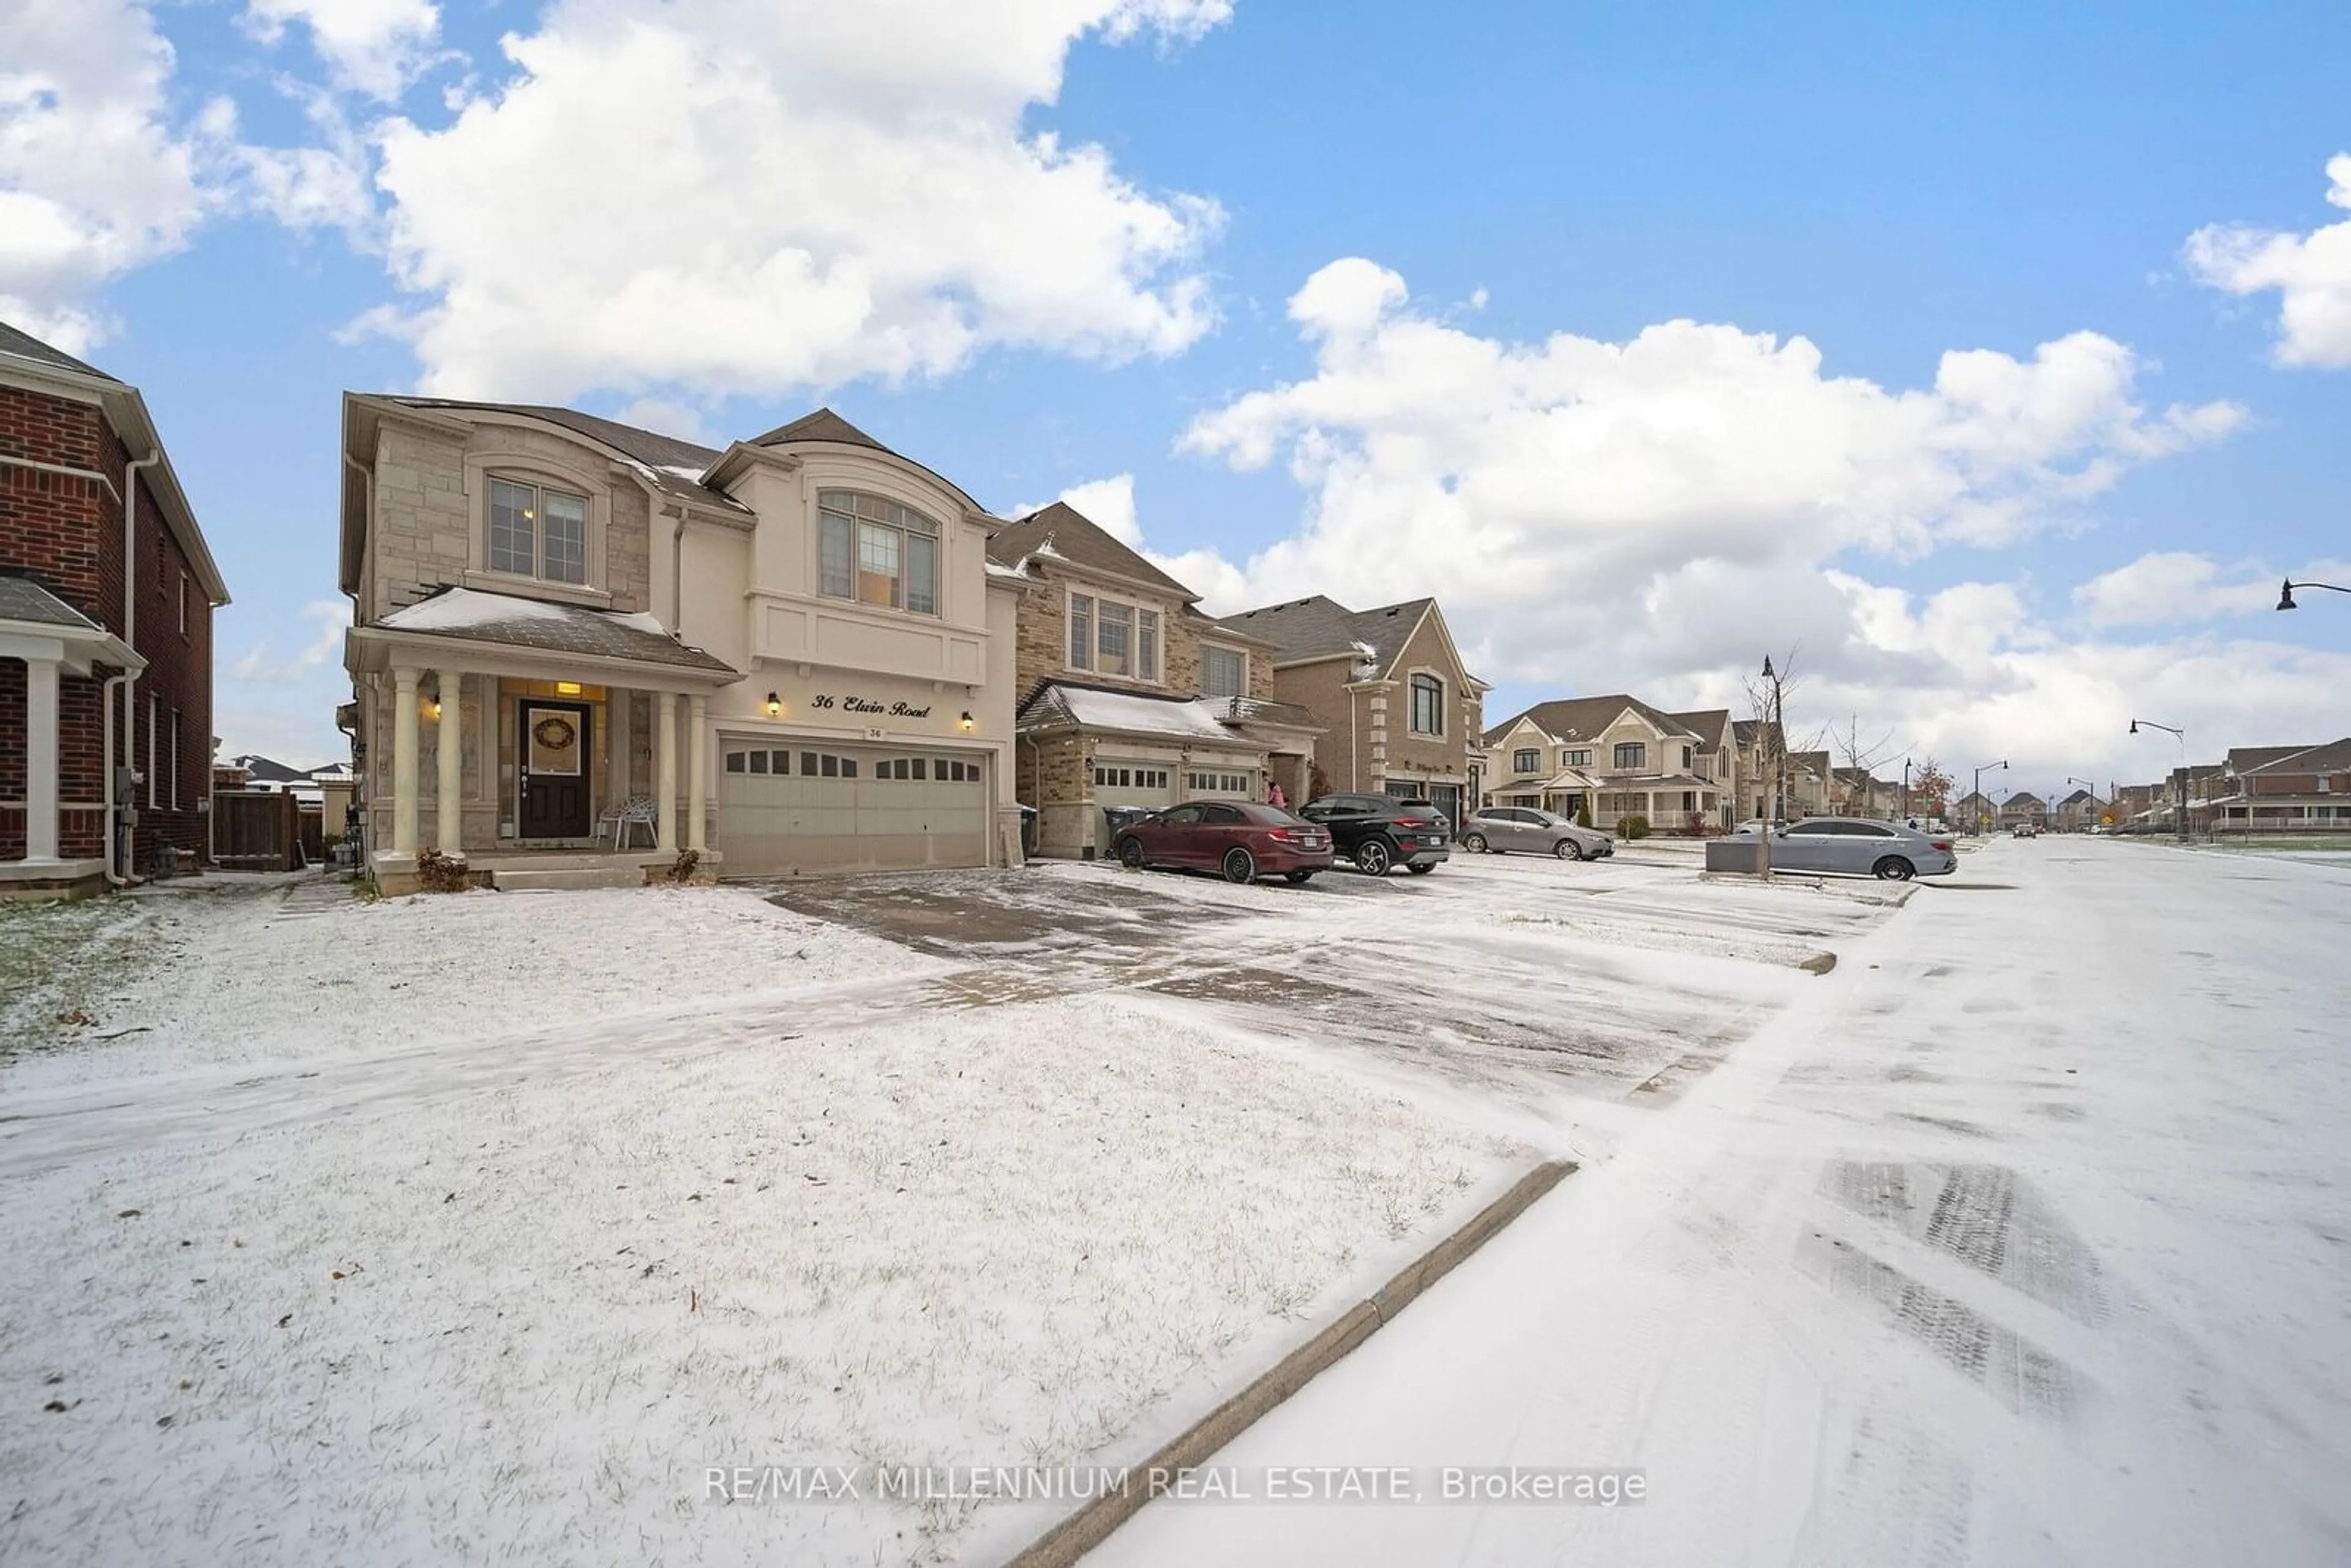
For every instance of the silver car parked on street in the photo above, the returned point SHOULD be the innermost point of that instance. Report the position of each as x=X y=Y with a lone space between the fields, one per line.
x=1501 y=828
x=1858 y=847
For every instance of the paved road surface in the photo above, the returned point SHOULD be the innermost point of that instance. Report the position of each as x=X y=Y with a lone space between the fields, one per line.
x=2025 y=1238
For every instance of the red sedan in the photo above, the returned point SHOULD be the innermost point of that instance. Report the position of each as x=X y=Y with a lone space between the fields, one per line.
x=1241 y=839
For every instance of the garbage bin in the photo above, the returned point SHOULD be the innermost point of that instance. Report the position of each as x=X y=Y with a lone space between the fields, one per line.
x=1028 y=833
x=1116 y=819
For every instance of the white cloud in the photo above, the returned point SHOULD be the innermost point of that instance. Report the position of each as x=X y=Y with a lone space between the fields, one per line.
x=783 y=195
x=1108 y=504
x=374 y=46
x=1660 y=513
x=671 y=419
x=94 y=178
x=330 y=617
x=2172 y=586
x=2312 y=274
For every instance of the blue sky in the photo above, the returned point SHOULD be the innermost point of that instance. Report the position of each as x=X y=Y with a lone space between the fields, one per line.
x=1889 y=185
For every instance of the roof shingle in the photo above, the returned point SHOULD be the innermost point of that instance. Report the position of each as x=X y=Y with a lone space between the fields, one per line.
x=1320 y=627
x=23 y=598
x=550 y=628
x=1080 y=540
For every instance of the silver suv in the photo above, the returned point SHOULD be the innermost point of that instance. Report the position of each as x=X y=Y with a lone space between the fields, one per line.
x=1498 y=829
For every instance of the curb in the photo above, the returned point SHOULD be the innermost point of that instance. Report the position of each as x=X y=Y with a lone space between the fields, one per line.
x=1088 y=1528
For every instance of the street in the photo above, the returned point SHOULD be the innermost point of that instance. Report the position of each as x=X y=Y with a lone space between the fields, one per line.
x=2019 y=1238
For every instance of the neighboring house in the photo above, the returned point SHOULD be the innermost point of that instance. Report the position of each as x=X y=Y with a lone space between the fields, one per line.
x=580 y=648
x=2024 y=808
x=1400 y=713
x=2134 y=805
x=1754 y=744
x=1616 y=756
x=2304 y=790
x=107 y=594
x=1973 y=813
x=1810 y=780
x=1130 y=697
x=2078 y=811
x=266 y=772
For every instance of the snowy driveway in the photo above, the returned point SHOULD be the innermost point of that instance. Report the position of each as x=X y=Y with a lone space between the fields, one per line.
x=2024 y=1238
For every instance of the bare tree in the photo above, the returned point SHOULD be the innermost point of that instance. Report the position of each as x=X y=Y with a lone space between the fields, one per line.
x=1859 y=757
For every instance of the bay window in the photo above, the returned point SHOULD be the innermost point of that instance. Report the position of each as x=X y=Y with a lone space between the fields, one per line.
x=876 y=552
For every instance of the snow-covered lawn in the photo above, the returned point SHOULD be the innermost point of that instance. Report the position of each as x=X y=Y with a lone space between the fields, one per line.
x=479 y=1228
x=2024 y=1238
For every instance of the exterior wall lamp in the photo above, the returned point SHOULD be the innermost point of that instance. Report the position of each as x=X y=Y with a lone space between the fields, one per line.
x=964 y=723
x=775 y=706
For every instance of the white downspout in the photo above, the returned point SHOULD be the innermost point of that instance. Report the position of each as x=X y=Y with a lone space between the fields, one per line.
x=129 y=678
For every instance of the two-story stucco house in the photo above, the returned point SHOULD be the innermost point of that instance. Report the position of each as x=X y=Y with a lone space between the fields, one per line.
x=107 y=594
x=1130 y=697
x=1618 y=756
x=581 y=649
x=1401 y=714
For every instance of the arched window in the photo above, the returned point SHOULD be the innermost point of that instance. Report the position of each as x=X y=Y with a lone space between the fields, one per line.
x=1427 y=705
x=875 y=551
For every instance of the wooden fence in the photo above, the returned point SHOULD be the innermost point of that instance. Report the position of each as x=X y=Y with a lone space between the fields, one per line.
x=256 y=830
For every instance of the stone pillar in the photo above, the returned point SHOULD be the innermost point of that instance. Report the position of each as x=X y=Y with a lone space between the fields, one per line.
x=617 y=741
x=404 y=762
x=448 y=746
x=40 y=760
x=697 y=770
x=665 y=770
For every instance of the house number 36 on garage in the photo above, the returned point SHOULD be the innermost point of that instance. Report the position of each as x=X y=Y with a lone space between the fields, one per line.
x=867 y=705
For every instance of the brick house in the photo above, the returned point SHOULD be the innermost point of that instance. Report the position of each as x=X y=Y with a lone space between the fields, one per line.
x=1131 y=697
x=1400 y=713
x=107 y=594
x=2272 y=789
x=2023 y=810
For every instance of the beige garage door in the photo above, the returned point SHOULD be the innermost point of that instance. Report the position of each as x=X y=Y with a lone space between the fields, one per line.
x=1126 y=782
x=790 y=810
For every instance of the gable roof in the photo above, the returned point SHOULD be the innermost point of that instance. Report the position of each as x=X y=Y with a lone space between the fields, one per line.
x=267 y=769
x=1585 y=718
x=2324 y=759
x=822 y=425
x=1706 y=723
x=2245 y=758
x=23 y=345
x=1060 y=529
x=2079 y=796
x=1320 y=627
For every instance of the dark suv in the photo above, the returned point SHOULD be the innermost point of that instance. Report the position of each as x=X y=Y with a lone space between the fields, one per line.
x=1380 y=832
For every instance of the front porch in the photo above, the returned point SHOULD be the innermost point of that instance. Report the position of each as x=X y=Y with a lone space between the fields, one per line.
x=584 y=764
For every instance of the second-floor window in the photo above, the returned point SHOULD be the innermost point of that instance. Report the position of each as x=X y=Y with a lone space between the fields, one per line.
x=537 y=532
x=877 y=552
x=1527 y=761
x=1114 y=638
x=1631 y=755
x=1427 y=705
x=1224 y=672
x=1575 y=759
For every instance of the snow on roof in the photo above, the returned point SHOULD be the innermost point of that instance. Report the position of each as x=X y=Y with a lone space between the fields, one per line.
x=464 y=609
x=1152 y=716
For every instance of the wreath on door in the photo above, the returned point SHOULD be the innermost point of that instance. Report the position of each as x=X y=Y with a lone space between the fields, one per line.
x=554 y=734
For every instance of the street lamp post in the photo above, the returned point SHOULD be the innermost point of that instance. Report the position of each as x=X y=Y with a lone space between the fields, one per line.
x=2286 y=597
x=2084 y=783
x=2181 y=736
x=1977 y=792
x=1776 y=739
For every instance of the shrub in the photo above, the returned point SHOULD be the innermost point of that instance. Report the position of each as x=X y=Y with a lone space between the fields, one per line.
x=1634 y=826
x=437 y=872
x=1584 y=813
x=682 y=870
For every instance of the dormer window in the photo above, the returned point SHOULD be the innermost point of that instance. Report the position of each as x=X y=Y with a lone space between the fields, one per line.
x=539 y=532
x=877 y=552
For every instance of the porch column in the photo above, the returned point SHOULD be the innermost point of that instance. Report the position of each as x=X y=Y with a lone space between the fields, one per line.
x=665 y=770
x=449 y=832
x=404 y=762
x=697 y=770
x=40 y=760
x=617 y=741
